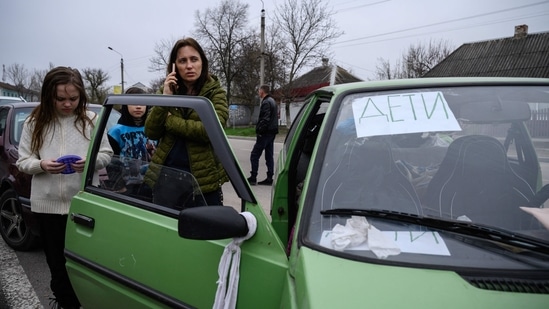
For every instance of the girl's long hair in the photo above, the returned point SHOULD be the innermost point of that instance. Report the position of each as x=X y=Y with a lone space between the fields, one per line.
x=44 y=116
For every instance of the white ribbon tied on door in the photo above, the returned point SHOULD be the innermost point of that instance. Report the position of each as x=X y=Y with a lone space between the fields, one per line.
x=229 y=268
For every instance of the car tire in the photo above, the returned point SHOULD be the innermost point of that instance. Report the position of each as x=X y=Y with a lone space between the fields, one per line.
x=13 y=228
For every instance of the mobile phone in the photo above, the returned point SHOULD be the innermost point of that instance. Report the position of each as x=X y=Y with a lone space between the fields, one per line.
x=173 y=88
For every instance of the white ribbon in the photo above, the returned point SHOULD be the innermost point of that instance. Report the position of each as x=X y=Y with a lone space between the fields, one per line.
x=229 y=266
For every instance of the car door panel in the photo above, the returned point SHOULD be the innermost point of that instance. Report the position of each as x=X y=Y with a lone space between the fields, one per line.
x=114 y=249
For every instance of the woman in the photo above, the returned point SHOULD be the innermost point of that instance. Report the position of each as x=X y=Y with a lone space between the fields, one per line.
x=183 y=142
x=61 y=125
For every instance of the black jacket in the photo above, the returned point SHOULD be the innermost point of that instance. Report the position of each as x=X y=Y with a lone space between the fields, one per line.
x=268 y=117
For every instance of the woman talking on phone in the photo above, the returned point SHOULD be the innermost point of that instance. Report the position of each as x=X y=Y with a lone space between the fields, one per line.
x=183 y=142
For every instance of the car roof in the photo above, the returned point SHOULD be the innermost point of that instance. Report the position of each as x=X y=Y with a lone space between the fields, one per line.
x=431 y=82
x=21 y=104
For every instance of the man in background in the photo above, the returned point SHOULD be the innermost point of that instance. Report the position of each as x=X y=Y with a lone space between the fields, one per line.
x=266 y=130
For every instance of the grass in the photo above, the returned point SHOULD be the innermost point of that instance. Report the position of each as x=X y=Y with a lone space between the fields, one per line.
x=249 y=131
x=240 y=131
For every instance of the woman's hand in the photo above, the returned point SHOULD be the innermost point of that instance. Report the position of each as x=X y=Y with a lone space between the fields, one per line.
x=170 y=84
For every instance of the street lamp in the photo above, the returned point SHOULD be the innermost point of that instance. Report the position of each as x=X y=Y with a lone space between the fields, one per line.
x=121 y=68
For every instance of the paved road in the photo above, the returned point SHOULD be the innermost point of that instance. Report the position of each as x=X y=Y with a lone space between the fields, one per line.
x=17 y=291
x=24 y=276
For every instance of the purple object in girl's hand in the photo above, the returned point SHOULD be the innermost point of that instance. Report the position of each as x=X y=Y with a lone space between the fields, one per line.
x=68 y=159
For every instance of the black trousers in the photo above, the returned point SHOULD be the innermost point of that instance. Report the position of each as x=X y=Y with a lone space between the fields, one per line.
x=263 y=142
x=52 y=234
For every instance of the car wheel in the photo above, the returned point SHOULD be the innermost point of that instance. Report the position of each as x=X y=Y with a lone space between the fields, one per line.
x=13 y=229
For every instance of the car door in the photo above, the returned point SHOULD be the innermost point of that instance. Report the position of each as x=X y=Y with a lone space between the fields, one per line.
x=124 y=251
x=293 y=162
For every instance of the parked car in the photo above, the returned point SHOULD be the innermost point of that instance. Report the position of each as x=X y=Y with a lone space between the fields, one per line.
x=17 y=225
x=7 y=99
x=414 y=193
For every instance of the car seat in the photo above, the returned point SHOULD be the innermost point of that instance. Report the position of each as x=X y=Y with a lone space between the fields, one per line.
x=368 y=178
x=475 y=181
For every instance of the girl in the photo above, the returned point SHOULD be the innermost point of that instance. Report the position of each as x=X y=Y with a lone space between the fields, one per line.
x=61 y=125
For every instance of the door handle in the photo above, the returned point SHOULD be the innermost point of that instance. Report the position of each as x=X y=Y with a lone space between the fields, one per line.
x=83 y=220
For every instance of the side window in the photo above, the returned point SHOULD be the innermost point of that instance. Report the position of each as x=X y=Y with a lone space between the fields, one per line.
x=154 y=183
x=295 y=123
x=3 y=117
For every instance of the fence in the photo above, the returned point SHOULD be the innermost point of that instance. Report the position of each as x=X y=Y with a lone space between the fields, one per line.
x=538 y=125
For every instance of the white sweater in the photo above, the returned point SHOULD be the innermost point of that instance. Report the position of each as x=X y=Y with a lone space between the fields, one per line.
x=52 y=193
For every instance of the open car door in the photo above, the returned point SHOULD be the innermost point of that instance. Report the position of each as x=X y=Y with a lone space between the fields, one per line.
x=125 y=250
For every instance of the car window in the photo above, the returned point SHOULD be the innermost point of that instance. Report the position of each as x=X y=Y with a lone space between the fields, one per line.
x=19 y=117
x=3 y=117
x=437 y=153
x=126 y=177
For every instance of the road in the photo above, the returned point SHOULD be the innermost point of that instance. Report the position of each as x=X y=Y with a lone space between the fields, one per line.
x=25 y=275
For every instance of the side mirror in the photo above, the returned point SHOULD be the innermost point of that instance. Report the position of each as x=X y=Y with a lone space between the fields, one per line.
x=211 y=222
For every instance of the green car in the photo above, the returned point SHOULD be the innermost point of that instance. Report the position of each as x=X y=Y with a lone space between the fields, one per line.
x=420 y=193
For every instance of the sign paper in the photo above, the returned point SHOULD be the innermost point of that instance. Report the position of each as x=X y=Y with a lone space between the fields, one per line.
x=403 y=113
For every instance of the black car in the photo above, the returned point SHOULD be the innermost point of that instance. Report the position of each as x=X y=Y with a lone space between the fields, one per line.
x=16 y=220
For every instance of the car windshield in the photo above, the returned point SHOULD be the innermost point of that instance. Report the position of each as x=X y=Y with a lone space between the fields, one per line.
x=440 y=176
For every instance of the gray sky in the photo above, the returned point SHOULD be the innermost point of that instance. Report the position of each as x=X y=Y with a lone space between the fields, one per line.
x=77 y=33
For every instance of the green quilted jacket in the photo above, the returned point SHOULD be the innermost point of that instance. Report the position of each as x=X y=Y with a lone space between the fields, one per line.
x=166 y=129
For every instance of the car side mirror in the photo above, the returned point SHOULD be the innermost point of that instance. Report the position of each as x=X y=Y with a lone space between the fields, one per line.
x=211 y=222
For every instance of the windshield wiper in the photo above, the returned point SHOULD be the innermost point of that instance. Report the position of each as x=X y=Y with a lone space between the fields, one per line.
x=461 y=227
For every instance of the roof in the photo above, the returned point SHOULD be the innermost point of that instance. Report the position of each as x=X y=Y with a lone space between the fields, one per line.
x=523 y=55
x=7 y=86
x=319 y=77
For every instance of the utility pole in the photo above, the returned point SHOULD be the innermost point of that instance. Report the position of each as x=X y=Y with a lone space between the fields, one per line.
x=121 y=69
x=262 y=59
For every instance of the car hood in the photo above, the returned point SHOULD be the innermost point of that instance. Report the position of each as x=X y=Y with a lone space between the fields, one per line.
x=325 y=281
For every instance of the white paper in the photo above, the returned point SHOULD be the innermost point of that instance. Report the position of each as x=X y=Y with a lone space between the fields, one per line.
x=403 y=113
x=408 y=241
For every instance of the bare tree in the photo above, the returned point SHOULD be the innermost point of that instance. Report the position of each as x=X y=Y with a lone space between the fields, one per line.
x=159 y=62
x=308 y=28
x=275 y=69
x=417 y=61
x=37 y=78
x=157 y=84
x=224 y=32
x=19 y=77
x=95 y=80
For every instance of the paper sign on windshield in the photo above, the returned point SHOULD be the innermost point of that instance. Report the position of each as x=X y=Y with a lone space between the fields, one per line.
x=407 y=241
x=403 y=113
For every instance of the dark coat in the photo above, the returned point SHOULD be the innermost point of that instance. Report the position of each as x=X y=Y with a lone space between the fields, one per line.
x=267 y=123
x=186 y=125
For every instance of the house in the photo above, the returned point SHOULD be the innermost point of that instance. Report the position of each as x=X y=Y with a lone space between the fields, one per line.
x=8 y=90
x=522 y=55
x=142 y=86
x=318 y=77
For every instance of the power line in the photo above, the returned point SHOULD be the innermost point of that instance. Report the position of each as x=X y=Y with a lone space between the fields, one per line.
x=443 y=22
x=505 y=20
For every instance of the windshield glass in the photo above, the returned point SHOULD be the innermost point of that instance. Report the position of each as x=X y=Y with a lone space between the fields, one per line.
x=475 y=155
